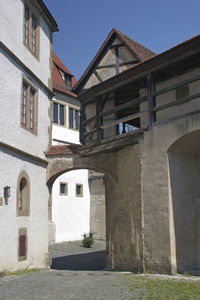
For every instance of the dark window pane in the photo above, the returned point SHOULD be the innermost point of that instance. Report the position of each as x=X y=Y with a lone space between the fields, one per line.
x=61 y=114
x=78 y=189
x=68 y=82
x=22 y=245
x=76 y=119
x=71 y=121
x=62 y=188
x=55 y=113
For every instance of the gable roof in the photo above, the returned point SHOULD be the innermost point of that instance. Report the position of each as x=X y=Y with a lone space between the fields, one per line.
x=139 y=51
x=58 y=82
x=179 y=52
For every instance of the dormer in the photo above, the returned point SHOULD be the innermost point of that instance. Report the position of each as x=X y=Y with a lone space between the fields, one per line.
x=117 y=53
x=62 y=77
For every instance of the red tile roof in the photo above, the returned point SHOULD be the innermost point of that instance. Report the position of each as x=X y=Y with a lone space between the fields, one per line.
x=58 y=82
x=63 y=150
x=141 y=52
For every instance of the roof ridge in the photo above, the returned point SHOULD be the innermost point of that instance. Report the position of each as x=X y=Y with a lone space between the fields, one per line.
x=132 y=40
x=128 y=37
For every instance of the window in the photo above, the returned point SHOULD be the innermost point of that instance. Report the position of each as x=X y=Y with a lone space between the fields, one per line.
x=59 y=113
x=63 y=188
x=68 y=82
x=28 y=107
x=79 y=190
x=23 y=195
x=73 y=118
x=30 y=30
x=22 y=240
x=22 y=247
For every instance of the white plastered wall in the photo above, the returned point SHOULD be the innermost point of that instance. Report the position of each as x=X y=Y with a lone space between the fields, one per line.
x=71 y=214
x=11 y=34
x=11 y=78
x=36 y=224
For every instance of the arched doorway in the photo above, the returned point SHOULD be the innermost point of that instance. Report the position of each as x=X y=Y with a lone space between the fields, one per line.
x=78 y=205
x=184 y=167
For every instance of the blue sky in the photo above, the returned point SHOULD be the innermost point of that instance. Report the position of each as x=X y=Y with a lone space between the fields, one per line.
x=84 y=25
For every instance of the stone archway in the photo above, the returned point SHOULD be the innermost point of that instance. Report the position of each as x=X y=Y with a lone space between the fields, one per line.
x=60 y=164
x=122 y=170
x=184 y=167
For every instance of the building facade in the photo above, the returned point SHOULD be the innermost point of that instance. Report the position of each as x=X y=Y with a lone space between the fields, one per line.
x=70 y=193
x=25 y=79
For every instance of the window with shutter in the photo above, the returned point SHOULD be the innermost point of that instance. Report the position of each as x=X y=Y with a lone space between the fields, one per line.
x=22 y=245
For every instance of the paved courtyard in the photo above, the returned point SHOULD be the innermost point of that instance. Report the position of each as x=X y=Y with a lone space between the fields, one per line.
x=79 y=274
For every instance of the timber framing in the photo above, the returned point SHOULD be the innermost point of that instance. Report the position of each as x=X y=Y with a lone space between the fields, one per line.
x=26 y=69
x=126 y=112
x=23 y=153
x=139 y=71
x=138 y=51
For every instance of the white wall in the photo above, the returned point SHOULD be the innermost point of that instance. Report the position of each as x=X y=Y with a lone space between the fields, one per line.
x=71 y=214
x=11 y=165
x=11 y=34
x=11 y=94
x=64 y=134
x=12 y=133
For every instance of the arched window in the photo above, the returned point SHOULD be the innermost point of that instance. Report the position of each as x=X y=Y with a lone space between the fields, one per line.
x=23 y=195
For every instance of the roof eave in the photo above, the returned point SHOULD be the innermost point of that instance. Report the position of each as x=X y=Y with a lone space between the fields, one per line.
x=47 y=15
x=154 y=63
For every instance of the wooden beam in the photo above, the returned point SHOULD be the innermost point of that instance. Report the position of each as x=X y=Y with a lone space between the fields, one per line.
x=82 y=126
x=112 y=143
x=90 y=132
x=127 y=63
x=117 y=60
x=122 y=120
x=98 y=76
x=140 y=71
x=117 y=46
x=176 y=85
x=124 y=106
x=177 y=102
x=98 y=118
x=151 y=99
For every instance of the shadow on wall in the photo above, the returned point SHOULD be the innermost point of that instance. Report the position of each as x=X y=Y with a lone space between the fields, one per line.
x=184 y=166
x=81 y=262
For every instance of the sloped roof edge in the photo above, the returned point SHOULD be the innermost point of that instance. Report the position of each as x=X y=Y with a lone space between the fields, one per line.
x=130 y=43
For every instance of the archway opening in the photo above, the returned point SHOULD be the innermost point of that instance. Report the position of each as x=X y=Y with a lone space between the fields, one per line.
x=184 y=166
x=78 y=208
x=78 y=205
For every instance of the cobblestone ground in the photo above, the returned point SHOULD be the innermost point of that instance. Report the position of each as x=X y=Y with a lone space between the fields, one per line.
x=77 y=273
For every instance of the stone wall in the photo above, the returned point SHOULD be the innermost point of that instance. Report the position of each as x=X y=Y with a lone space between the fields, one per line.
x=97 y=205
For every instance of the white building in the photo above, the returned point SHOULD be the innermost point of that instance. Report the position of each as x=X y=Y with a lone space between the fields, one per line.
x=25 y=124
x=70 y=194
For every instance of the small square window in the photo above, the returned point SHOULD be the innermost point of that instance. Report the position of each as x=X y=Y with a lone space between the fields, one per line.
x=79 y=190
x=63 y=188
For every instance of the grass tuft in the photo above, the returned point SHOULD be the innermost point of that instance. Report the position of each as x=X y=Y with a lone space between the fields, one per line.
x=21 y=272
